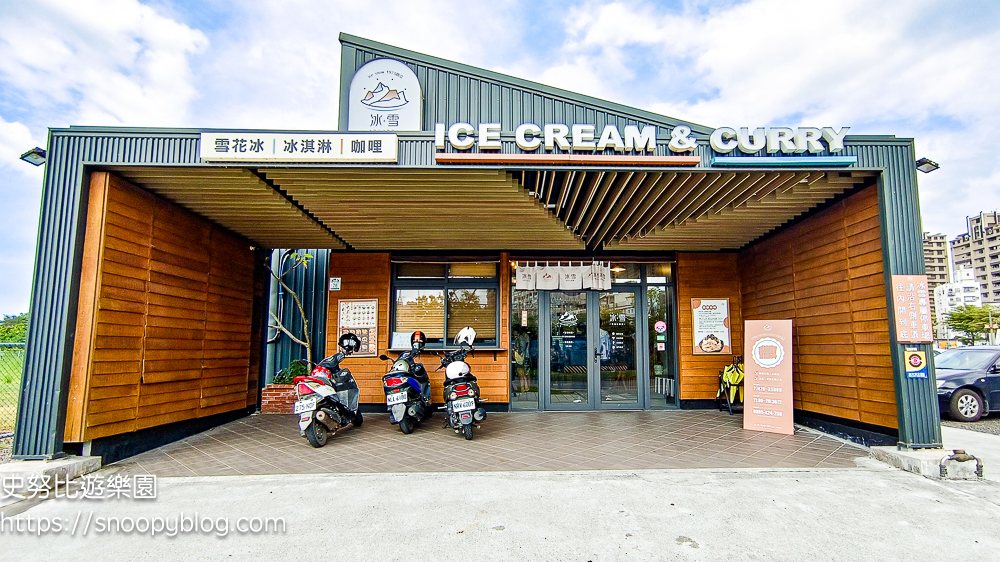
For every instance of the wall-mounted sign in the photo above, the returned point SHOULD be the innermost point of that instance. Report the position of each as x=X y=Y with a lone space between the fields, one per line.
x=529 y=137
x=384 y=96
x=360 y=316
x=778 y=139
x=238 y=146
x=335 y=283
x=768 y=381
x=710 y=326
x=916 y=364
x=911 y=309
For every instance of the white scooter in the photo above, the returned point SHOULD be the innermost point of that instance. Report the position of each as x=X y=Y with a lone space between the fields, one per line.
x=328 y=397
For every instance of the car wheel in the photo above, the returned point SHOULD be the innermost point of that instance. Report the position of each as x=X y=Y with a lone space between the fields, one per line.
x=966 y=405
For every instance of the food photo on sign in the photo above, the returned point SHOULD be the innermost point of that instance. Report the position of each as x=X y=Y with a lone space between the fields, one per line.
x=710 y=326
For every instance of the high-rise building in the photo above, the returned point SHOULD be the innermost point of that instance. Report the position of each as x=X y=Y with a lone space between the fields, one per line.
x=936 y=263
x=964 y=291
x=979 y=250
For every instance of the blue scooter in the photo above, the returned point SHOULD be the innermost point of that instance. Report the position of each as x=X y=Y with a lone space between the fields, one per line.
x=407 y=387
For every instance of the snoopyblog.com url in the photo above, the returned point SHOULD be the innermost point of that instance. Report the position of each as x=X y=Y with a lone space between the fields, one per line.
x=85 y=523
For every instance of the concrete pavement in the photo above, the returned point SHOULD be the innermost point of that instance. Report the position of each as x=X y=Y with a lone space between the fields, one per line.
x=871 y=513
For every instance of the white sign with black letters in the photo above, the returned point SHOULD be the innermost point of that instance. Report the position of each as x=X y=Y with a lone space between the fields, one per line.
x=241 y=146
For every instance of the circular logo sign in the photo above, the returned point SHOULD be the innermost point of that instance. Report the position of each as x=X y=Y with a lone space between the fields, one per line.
x=767 y=352
x=915 y=360
x=660 y=327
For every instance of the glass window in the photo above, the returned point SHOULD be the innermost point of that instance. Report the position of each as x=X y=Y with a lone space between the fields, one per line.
x=472 y=270
x=660 y=273
x=440 y=299
x=423 y=310
x=420 y=270
x=625 y=273
x=476 y=308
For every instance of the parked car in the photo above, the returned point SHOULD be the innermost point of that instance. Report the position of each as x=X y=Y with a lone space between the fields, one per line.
x=968 y=381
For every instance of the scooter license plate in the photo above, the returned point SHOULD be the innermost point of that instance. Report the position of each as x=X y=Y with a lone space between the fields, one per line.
x=307 y=405
x=397 y=398
x=463 y=405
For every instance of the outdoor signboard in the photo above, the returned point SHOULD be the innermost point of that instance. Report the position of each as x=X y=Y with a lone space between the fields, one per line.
x=768 y=381
x=911 y=309
x=710 y=323
x=360 y=316
x=245 y=146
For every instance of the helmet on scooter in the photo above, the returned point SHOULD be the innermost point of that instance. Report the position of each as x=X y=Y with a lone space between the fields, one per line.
x=466 y=335
x=418 y=340
x=456 y=369
x=350 y=342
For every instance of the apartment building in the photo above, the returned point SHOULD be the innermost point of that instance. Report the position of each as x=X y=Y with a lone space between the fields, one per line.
x=964 y=291
x=979 y=250
x=936 y=263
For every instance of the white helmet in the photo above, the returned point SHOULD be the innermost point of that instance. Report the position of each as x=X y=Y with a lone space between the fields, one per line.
x=456 y=369
x=465 y=335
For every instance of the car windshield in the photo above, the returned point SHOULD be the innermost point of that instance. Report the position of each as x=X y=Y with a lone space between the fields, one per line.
x=965 y=359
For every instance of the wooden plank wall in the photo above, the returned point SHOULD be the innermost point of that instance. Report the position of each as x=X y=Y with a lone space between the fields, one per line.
x=369 y=275
x=705 y=276
x=164 y=324
x=826 y=274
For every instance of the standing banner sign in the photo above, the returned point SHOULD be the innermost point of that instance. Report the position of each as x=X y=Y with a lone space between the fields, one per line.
x=768 y=381
x=710 y=320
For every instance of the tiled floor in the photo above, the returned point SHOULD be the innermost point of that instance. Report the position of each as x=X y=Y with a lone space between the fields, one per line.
x=270 y=444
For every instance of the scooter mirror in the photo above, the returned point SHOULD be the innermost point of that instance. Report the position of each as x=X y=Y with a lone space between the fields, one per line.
x=383 y=357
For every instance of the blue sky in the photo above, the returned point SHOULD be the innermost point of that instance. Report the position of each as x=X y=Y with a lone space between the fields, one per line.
x=922 y=69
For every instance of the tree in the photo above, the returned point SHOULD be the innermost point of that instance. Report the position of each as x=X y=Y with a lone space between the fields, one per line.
x=972 y=321
x=297 y=260
x=14 y=329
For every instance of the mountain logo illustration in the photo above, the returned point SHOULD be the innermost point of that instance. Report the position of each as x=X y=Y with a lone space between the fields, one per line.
x=384 y=98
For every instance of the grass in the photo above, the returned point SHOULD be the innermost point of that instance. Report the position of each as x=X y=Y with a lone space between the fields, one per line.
x=11 y=364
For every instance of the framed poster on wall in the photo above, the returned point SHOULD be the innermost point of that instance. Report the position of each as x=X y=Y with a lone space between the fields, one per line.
x=710 y=327
x=360 y=316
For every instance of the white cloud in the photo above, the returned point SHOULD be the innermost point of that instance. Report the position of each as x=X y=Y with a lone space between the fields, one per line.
x=278 y=65
x=89 y=62
x=882 y=68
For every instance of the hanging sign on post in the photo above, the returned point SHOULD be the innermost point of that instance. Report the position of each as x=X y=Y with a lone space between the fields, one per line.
x=768 y=382
x=911 y=309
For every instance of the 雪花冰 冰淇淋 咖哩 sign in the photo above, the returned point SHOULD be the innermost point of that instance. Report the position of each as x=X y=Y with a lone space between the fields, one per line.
x=237 y=146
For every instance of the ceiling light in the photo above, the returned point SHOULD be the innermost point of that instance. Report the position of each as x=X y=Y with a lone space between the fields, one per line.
x=927 y=165
x=34 y=156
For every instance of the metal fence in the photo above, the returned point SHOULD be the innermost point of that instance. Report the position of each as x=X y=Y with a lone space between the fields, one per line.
x=11 y=366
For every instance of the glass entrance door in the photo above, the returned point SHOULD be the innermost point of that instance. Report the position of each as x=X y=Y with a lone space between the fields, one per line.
x=590 y=350
x=570 y=351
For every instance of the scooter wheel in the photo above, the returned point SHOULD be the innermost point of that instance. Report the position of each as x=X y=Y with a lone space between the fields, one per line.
x=467 y=430
x=406 y=426
x=316 y=434
x=358 y=420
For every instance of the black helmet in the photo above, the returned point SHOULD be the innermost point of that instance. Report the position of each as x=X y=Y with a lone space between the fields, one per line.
x=418 y=340
x=350 y=342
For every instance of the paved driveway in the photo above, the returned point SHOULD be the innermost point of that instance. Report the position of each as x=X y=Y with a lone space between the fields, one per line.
x=542 y=441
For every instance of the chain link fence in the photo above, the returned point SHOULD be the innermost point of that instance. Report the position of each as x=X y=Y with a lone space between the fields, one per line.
x=11 y=367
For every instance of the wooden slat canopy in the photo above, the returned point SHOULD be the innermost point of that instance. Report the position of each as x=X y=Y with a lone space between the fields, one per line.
x=238 y=200
x=452 y=208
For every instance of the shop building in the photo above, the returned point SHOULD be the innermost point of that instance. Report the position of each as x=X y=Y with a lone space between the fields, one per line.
x=150 y=300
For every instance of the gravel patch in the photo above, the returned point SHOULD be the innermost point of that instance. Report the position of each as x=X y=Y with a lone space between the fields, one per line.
x=5 y=446
x=989 y=424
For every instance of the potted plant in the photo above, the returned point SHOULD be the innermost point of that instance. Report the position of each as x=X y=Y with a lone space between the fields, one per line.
x=279 y=396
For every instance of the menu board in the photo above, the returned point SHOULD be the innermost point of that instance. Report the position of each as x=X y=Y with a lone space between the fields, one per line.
x=710 y=322
x=911 y=309
x=360 y=317
x=768 y=379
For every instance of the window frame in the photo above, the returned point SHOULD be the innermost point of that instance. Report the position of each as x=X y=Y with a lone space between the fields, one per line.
x=445 y=284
